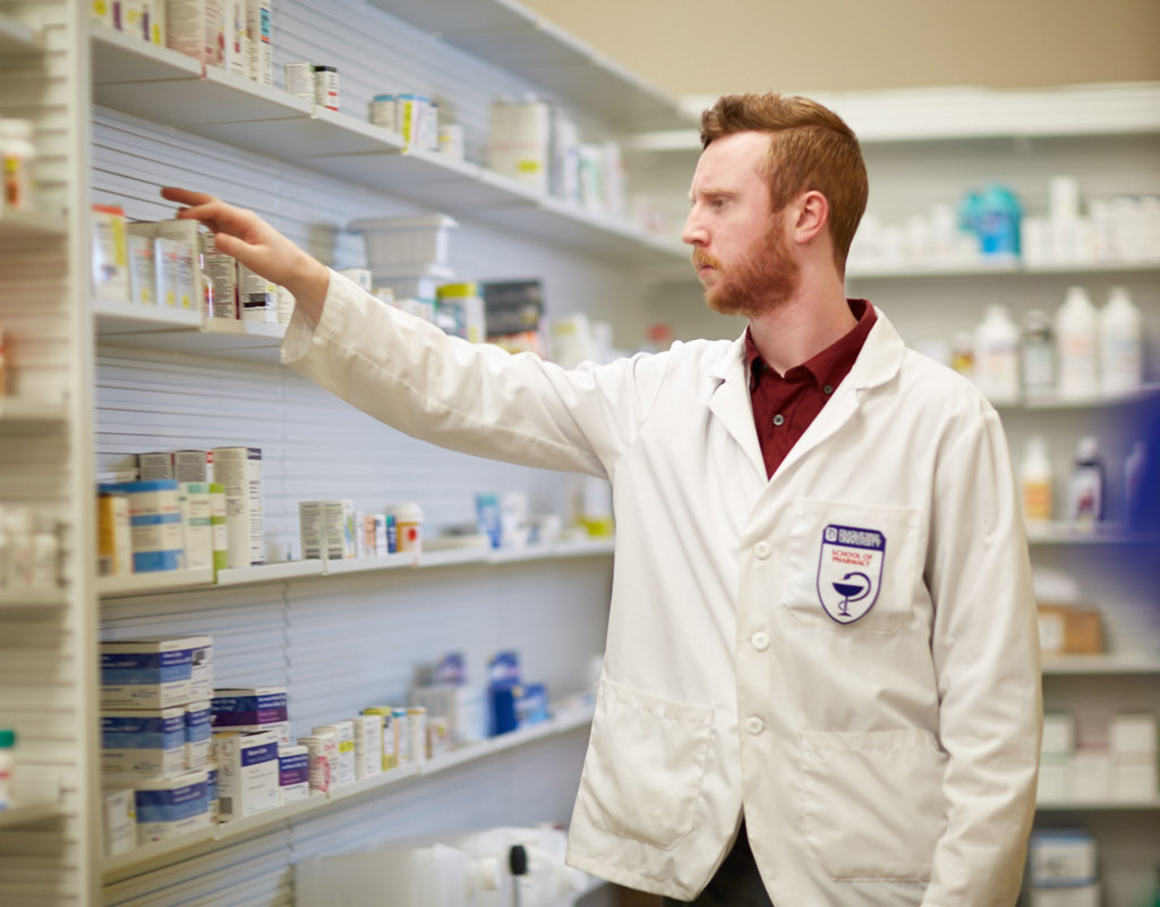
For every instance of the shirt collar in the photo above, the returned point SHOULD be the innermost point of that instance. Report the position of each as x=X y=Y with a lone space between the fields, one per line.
x=831 y=364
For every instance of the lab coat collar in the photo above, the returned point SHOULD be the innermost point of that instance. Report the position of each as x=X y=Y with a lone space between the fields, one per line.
x=729 y=398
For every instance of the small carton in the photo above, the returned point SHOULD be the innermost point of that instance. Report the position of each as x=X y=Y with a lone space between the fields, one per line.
x=344 y=770
x=247 y=773
x=156 y=672
x=293 y=774
x=143 y=741
x=170 y=807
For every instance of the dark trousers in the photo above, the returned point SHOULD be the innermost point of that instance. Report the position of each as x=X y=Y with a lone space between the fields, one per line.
x=736 y=884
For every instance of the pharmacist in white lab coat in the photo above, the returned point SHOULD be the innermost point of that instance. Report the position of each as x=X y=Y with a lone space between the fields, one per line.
x=821 y=682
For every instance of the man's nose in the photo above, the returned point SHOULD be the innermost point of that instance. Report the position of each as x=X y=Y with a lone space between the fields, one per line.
x=693 y=232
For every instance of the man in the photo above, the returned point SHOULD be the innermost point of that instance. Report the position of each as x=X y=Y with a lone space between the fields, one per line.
x=821 y=682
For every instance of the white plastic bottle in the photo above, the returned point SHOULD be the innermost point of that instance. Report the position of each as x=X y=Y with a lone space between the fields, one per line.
x=1076 y=332
x=1038 y=354
x=1121 y=345
x=1087 y=484
x=1035 y=479
x=997 y=356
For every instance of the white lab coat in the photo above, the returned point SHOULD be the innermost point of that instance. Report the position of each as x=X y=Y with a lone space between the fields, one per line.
x=888 y=759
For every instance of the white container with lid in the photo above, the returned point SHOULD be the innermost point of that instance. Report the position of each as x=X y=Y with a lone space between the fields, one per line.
x=392 y=241
x=408 y=523
x=1121 y=344
x=1035 y=479
x=1076 y=333
x=997 y=356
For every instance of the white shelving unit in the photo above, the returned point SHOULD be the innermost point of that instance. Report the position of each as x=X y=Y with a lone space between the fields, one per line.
x=23 y=816
x=162 y=853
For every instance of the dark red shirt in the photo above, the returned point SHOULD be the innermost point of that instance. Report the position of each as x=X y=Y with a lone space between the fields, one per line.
x=784 y=406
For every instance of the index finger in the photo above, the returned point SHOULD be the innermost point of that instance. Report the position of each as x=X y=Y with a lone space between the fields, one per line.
x=186 y=196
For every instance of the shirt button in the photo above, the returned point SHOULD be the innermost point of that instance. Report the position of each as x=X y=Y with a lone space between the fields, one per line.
x=827 y=389
x=779 y=419
x=760 y=641
x=755 y=725
x=762 y=549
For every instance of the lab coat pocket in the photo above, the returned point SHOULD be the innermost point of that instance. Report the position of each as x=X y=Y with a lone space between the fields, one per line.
x=871 y=805
x=645 y=765
x=851 y=566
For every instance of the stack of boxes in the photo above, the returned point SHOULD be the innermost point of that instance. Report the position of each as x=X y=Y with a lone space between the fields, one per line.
x=250 y=725
x=1062 y=869
x=1123 y=772
x=154 y=729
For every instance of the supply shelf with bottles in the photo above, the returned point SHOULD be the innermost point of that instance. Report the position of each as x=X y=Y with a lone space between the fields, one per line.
x=124 y=118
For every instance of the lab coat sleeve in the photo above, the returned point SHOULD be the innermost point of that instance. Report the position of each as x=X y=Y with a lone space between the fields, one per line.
x=475 y=398
x=985 y=646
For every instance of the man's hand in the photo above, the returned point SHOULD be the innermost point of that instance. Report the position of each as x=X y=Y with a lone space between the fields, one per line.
x=257 y=245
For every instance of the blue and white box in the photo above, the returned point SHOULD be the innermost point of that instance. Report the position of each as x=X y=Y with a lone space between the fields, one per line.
x=251 y=709
x=170 y=807
x=156 y=672
x=143 y=741
x=247 y=773
x=198 y=734
x=155 y=525
x=211 y=790
x=293 y=774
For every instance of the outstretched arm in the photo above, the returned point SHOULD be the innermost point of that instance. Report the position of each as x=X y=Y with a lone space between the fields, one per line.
x=257 y=245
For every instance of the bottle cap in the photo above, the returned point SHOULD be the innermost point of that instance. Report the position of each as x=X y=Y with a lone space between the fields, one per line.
x=7 y=738
x=1088 y=448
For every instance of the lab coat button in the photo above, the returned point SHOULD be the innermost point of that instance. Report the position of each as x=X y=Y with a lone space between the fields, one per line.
x=762 y=549
x=760 y=641
x=755 y=725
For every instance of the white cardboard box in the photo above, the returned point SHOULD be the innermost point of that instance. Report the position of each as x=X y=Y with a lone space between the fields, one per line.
x=247 y=773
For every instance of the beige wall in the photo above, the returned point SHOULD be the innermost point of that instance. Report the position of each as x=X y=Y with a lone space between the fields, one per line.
x=853 y=45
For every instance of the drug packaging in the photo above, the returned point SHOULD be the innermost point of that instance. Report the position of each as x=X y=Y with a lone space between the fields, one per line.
x=110 y=253
x=386 y=721
x=196 y=28
x=459 y=311
x=251 y=709
x=417 y=734
x=219 y=531
x=119 y=820
x=322 y=529
x=114 y=541
x=192 y=465
x=258 y=30
x=222 y=271
x=101 y=12
x=236 y=57
x=198 y=734
x=170 y=807
x=153 y=466
x=247 y=773
x=326 y=87
x=368 y=744
x=143 y=741
x=464 y=706
x=322 y=750
x=196 y=511
x=257 y=297
x=293 y=774
x=299 y=77
x=142 y=269
x=155 y=10
x=156 y=672
x=1061 y=858
x=155 y=525
x=178 y=277
x=132 y=19
x=402 y=743
x=344 y=768
x=239 y=470
x=211 y=789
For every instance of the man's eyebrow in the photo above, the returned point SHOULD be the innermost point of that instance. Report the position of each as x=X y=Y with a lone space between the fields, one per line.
x=711 y=193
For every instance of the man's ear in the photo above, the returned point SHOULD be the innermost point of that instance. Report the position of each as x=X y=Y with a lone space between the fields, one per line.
x=813 y=213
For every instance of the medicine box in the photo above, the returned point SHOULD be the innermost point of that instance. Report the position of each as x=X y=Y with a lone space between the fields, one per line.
x=155 y=525
x=197 y=524
x=251 y=709
x=343 y=771
x=170 y=807
x=247 y=773
x=143 y=741
x=1090 y=777
x=322 y=750
x=119 y=820
x=178 y=276
x=1053 y=778
x=368 y=744
x=1069 y=896
x=386 y=718
x=198 y=734
x=211 y=790
x=110 y=254
x=156 y=672
x=1069 y=630
x=1133 y=733
x=142 y=270
x=239 y=469
x=1062 y=857
x=1058 y=733
x=293 y=774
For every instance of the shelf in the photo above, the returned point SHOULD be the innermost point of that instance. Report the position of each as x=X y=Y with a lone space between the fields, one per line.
x=136 y=326
x=1072 y=534
x=1098 y=806
x=363 y=564
x=169 y=88
x=1054 y=401
x=163 y=853
x=984 y=269
x=17 y=39
x=27 y=416
x=27 y=815
x=1071 y=665
x=20 y=227
x=13 y=600
x=153 y=583
x=513 y=37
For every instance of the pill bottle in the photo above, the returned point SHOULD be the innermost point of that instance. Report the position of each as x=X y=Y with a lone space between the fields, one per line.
x=19 y=156
x=408 y=522
x=7 y=764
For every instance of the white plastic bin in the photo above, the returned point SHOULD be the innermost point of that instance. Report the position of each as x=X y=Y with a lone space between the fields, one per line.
x=413 y=241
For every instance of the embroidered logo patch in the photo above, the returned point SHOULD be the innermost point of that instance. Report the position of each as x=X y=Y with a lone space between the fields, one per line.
x=850 y=571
